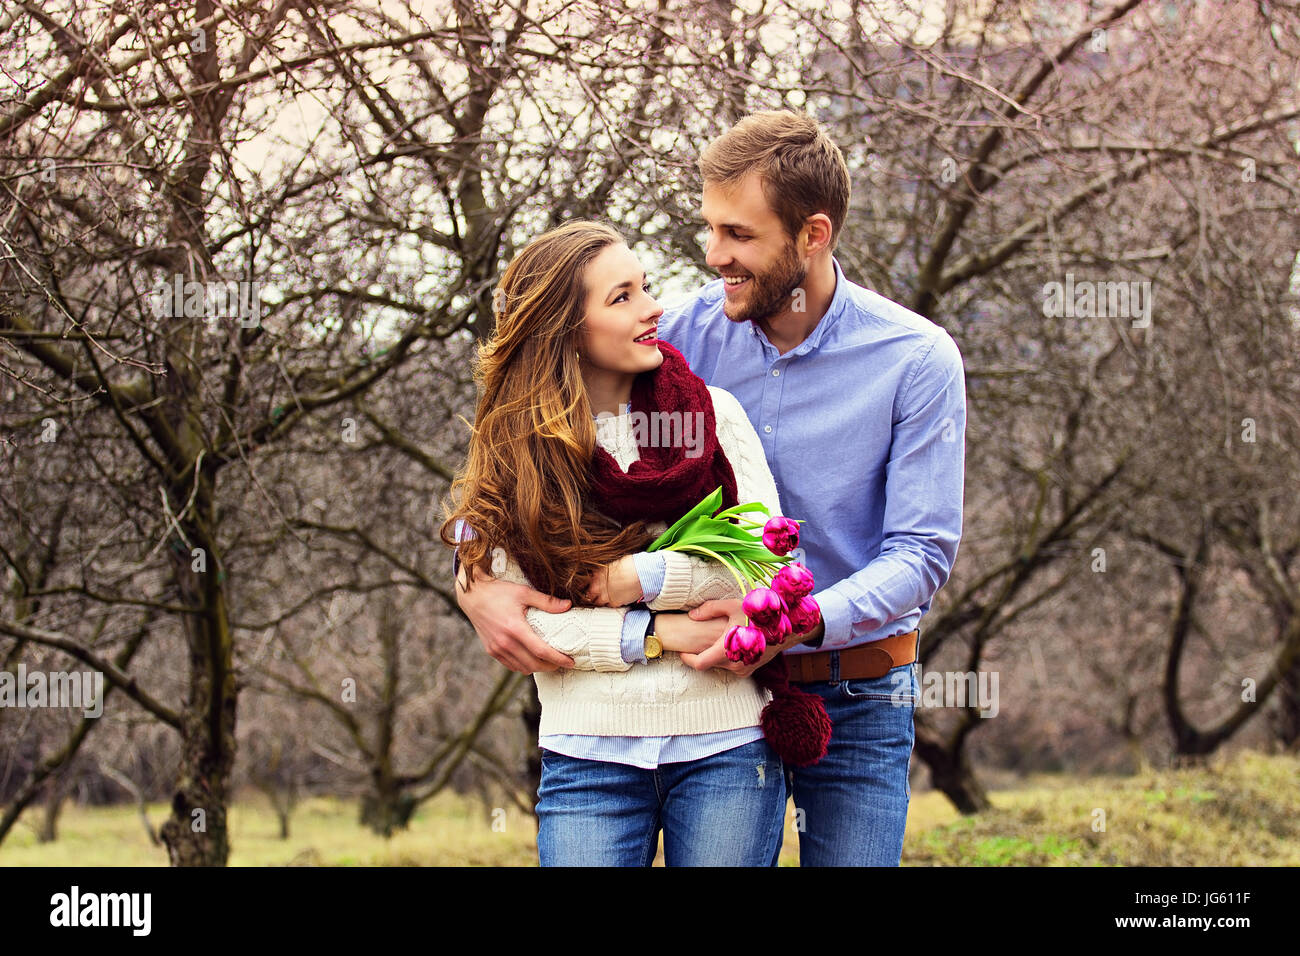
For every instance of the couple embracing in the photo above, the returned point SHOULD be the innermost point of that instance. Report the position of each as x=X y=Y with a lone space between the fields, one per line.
x=818 y=398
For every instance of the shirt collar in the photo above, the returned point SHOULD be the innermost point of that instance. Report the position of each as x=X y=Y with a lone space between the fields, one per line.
x=838 y=299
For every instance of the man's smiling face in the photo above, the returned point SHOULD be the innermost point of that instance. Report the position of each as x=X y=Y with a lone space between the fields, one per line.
x=760 y=264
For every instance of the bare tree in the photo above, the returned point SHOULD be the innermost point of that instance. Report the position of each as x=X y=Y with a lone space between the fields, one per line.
x=246 y=252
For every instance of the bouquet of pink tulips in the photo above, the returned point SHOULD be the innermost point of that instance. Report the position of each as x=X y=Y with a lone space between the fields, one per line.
x=777 y=604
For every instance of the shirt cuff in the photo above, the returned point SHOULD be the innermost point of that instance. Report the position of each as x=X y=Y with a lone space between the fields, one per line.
x=836 y=617
x=635 y=623
x=650 y=568
x=463 y=531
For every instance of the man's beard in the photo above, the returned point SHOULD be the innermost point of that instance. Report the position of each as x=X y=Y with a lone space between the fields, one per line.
x=770 y=291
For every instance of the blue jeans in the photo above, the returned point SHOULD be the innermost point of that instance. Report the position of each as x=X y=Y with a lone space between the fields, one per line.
x=722 y=810
x=854 y=801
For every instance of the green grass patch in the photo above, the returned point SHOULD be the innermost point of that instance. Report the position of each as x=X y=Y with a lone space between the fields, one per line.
x=1243 y=811
x=1239 y=811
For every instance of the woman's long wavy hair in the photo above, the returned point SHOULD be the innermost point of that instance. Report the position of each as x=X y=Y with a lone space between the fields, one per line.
x=526 y=483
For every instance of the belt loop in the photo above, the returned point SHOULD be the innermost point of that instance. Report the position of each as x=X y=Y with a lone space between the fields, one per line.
x=835 y=667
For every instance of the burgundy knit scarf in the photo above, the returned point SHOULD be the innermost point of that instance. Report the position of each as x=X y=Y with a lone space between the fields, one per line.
x=669 y=479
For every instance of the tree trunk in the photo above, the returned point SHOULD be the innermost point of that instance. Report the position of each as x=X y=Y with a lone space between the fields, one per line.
x=532 y=717
x=197 y=833
x=49 y=831
x=950 y=771
x=387 y=807
x=1286 y=722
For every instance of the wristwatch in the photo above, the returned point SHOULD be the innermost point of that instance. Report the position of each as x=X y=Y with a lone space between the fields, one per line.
x=654 y=648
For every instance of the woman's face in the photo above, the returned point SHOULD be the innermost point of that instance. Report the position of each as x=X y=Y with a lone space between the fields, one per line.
x=620 y=309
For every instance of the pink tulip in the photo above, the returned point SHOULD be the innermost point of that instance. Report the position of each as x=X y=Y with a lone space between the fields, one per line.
x=781 y=535
x=744 y=644
x=805 y=615
x=792 y=582
x=779 y=631
x=763 y=606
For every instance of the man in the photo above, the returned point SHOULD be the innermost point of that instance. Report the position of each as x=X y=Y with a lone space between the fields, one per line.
x=861 y=408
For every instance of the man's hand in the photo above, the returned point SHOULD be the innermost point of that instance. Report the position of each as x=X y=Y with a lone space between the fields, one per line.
x=496 y=609
x=616 y=585
x=716 y=656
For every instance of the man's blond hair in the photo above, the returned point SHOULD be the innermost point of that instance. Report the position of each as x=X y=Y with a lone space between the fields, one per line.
x=803 y=172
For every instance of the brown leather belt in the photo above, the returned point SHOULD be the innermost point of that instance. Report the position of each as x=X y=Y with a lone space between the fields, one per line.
x=866 y=660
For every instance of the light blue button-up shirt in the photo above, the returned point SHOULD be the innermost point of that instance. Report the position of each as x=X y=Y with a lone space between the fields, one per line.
x=863 y=424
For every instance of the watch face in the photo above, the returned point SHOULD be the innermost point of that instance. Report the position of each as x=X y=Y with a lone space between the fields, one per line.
x=653 y=648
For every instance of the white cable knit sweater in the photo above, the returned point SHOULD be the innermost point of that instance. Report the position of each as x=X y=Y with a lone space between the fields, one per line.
x=605 y=696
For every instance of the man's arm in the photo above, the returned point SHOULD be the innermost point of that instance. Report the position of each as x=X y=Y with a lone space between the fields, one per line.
x=924 y=481
x=922 y=523
x=497 y=611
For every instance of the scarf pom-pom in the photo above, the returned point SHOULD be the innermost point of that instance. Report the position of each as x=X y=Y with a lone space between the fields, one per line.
x=797 y=727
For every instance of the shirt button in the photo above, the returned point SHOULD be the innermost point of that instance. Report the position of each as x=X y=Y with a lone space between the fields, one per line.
x=767 y=428
x=776 y=372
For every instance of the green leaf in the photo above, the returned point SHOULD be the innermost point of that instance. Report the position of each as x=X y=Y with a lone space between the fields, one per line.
x=724 y=528
x=750 y=506
x=707 y=506
x=721 y=559
x=723 y=543
x=736 y=531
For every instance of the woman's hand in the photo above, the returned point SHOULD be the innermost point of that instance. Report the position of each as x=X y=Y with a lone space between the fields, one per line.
x=681 y=633
x=615 y=585
x=720 y=616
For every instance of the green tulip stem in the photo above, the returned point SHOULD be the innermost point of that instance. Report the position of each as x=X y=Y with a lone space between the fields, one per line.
x=744 y=585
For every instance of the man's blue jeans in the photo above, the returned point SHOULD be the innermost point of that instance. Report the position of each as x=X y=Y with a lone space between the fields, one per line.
x=722 y=810
x=854 y=801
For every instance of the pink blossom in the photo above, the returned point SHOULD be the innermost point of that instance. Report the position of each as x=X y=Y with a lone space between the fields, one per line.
x=805 y=615
x=744 y=644
x=793 y=582
x=763 y=606
x=781 y=535
x=779 y=631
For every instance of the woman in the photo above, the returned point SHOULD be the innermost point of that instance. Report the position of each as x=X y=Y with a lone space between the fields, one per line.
x=590 y=437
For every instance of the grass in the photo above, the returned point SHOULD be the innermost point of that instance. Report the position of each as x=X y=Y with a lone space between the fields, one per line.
x=1242 y=811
